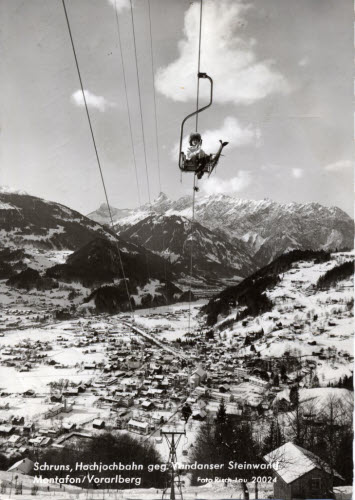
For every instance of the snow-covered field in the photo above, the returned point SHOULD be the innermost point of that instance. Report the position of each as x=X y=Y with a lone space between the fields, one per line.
x=305 y=320
x=170 y=322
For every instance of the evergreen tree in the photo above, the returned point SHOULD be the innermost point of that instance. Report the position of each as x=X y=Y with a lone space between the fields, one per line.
x=221 y=416
x=294 y=396
x=274 y=438
x=186 y=412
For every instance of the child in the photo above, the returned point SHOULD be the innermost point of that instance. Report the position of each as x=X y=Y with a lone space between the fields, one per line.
x=194 y=151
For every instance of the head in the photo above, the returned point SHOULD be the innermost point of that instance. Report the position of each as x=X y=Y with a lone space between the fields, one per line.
x=195 y=139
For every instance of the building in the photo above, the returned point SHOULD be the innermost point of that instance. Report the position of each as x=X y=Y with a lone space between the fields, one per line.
x=300 y=473
x=98 y=424
x=197 y=377
x=23 y=466
x=136 y=426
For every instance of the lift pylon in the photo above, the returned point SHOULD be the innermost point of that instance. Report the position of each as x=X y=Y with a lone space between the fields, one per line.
x=172 y=437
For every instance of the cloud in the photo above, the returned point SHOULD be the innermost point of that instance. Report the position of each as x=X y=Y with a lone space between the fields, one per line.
x=238 y=75
x=214 y=185
x=231 y=131
x=339 y=166
x=92 y=100
x=297 y=173
x=304 y=61
x=119 y=4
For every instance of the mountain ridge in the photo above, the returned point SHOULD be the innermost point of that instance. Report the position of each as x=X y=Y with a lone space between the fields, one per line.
x=268 y=228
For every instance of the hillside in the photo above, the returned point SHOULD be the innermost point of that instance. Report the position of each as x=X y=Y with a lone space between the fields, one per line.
x=30 y=222
x=62 y=257
x=250 y=293
x=214 y=257
x=98 y=262
x=300 y=319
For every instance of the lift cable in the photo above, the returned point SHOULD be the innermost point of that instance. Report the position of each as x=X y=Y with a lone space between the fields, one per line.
x=154 y=96
x=127 y=102
x=97 y=155
x=194 y=189
x=140 y=103
x=157 y=139
x=142 y=123
x=199 y=64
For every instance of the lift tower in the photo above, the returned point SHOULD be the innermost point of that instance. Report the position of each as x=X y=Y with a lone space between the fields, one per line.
x=172 y=437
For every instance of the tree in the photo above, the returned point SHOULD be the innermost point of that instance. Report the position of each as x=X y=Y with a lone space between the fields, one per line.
x=274 y=438
x=294 y=396
x=221 y=416
x=226 y=440
x=186 y=412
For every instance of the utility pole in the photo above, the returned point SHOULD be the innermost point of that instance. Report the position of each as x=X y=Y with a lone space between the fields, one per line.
x=173 y=438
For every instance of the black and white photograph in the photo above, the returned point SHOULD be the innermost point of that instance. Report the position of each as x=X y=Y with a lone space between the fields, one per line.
x=177 y=249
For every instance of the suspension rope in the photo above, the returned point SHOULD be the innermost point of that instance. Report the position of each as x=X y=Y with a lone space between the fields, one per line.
x=191 y=250
x=194 y=189
x=140 y=103
x=97 y=154
x=157 y=139
x=154 y=96
x=198 y=64
x=127 y=102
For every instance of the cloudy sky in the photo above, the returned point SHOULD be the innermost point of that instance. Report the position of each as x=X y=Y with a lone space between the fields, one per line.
x=282 y=71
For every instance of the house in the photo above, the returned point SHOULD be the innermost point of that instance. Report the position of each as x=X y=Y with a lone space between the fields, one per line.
x=6 y=430
x=259 y=382
x=28 y=428
x=199 y=414
x=147 y=405
x=98 y=424
x=300 y=473
x=197 y=377
x=14 y=439
x=69 y=426
x=18 y=421
x=136 y=426
x=241 y=373
x=23 y=466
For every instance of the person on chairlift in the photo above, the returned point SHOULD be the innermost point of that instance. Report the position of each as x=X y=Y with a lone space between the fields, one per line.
x=195 y=153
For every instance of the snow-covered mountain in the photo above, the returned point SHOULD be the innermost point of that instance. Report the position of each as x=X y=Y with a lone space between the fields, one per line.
x=102 y=214
x=30 y=222
x=45 y=245
x=266 y=227
x=301 y=304
x=172 y=236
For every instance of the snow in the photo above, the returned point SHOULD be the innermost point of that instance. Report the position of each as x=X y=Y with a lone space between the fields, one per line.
x=51 y=232
x=7 y=206
x=318 y=396
x=293 y=462
x=10 y=190
x=172 y=319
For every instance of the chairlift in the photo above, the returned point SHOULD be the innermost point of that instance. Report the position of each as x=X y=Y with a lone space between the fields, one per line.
x=199 y=163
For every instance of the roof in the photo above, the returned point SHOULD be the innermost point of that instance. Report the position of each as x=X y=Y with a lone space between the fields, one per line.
x=14 y=438
x=6 y=428
x=294 y=462
x=25 y=465
x=98 y=422
x=199 y=371
x=135 y=423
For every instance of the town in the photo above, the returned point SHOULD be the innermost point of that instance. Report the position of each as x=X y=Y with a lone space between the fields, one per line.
x=63 y=381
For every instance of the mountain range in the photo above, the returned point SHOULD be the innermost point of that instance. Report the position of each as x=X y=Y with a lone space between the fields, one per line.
x=261 y=230
x=228 y=240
